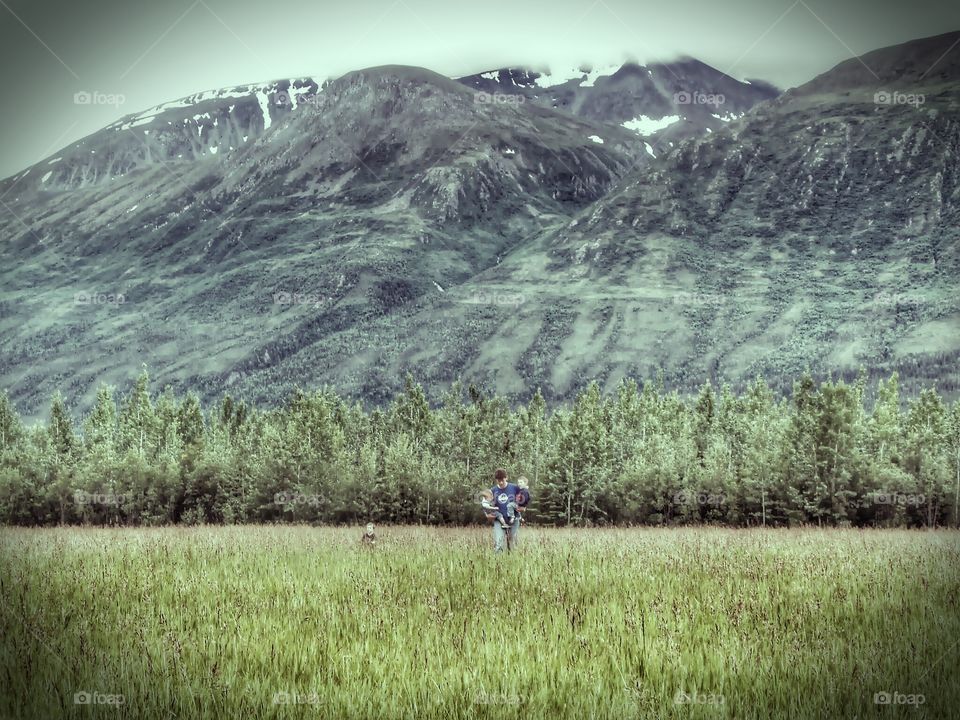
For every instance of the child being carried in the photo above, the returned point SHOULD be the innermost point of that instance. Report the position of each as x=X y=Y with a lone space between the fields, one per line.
x=490 y=508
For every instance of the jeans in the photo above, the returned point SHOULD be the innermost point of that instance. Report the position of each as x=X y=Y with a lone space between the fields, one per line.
x=500 y=535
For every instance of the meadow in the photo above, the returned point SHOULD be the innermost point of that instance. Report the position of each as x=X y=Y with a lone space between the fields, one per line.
x=299 y=621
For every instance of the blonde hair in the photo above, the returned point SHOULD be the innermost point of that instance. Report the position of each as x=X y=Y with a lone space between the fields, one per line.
x=486 y=495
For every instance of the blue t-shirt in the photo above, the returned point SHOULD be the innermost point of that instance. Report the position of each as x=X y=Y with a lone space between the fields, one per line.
x=508 y=495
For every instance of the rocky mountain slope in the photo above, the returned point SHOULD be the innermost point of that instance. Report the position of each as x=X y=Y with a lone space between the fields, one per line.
x=395 y=220
x=820 y=231
x=389 y=185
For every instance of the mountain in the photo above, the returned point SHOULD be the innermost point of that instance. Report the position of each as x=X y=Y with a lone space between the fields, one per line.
x=396 y=220
x=388 y=185
x=644 y=99
x=663 y=102
x=819 y=231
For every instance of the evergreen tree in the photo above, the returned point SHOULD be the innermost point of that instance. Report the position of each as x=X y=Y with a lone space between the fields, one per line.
x=138 y=421
x=926 y=459
x=11 y=428
x=953 y=442
x=100 y=428
x=63 y=447
x=835 y=443
x=764 y=436
x=190 y=425
x=805 y=490
x=704 y=413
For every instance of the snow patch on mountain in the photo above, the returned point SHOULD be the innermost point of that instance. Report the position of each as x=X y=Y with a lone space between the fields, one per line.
x=599 y=72
x=547 y=80
x=647 y=126
x=727 y=117
x=264 y=100
x=586 y=77
x=294 y=93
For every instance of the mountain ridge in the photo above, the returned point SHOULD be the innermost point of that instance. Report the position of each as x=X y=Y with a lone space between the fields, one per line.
x=397 y=220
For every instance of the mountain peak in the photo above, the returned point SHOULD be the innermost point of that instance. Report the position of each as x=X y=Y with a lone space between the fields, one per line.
x=662 y=102
x=399 y=74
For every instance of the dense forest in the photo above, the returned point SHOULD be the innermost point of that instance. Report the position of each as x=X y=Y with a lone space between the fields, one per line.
x=641 y=455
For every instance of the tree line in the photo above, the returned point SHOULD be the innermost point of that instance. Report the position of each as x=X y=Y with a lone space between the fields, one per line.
x=638 y=455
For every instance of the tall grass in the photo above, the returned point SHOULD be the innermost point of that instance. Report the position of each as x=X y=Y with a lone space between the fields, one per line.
x=244 y=622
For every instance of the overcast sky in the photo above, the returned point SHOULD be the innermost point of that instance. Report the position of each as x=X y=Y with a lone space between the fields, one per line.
x=151 y=52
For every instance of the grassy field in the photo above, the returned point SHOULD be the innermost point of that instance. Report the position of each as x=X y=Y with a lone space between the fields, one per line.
x=244 y=622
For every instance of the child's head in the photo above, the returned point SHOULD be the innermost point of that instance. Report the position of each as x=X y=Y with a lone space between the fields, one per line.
x=523 y=483
x=486 y=495
x=369 y=528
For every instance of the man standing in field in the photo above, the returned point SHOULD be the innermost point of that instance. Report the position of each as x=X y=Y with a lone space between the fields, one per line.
x=505 y=493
